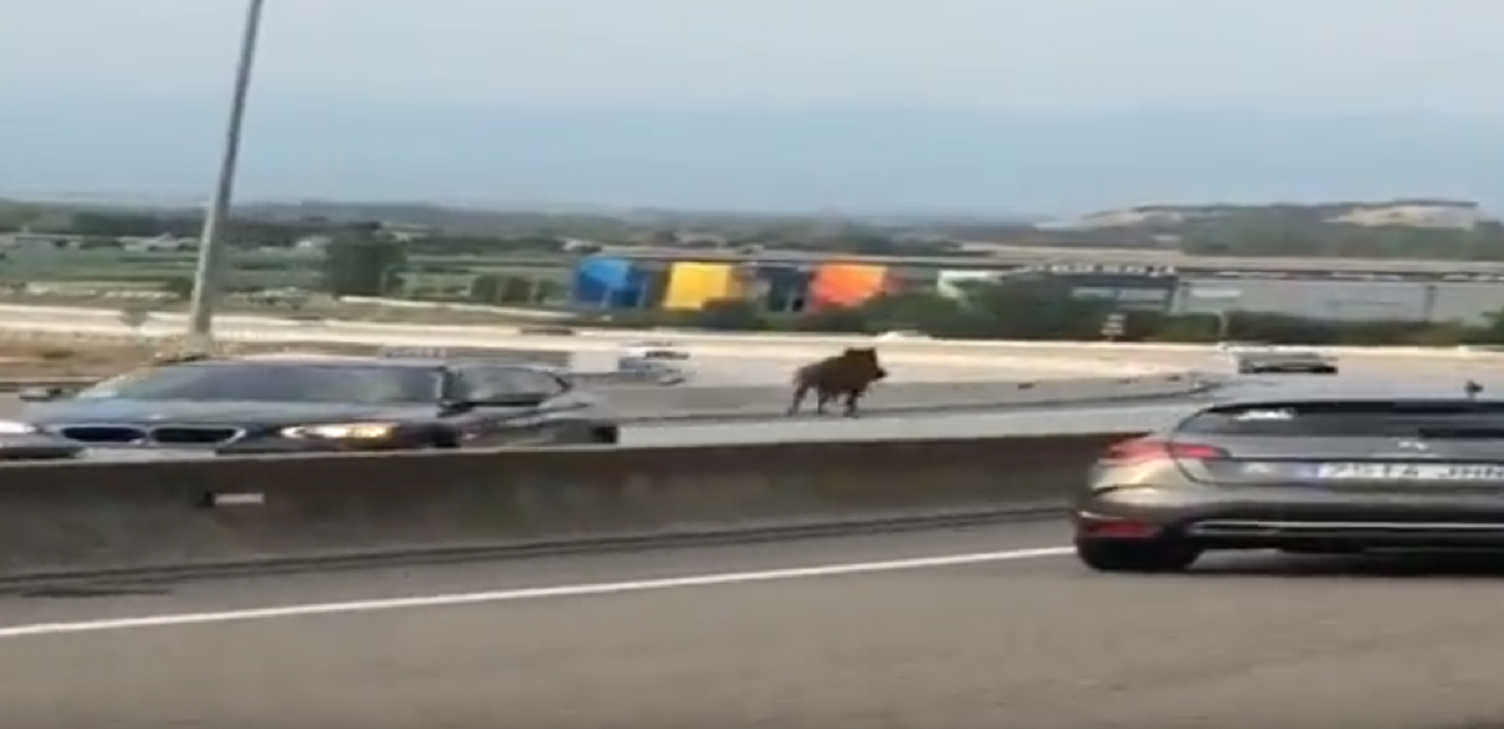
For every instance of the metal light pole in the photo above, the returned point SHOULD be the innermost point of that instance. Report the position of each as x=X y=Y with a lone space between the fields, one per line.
x=200 y=336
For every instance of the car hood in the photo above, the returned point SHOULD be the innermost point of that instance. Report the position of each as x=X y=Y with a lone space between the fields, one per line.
x=240 y=413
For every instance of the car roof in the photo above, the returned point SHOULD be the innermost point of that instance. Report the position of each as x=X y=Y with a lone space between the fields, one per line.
x=317 y=360
x=1284 y=352
x=1454 y=396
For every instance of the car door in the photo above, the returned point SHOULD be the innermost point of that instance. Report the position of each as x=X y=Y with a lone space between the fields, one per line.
x=511 y=425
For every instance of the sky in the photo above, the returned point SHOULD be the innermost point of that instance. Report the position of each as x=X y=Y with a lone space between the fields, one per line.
x=793 y=74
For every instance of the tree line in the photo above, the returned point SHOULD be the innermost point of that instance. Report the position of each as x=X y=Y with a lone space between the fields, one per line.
x=1282 y=231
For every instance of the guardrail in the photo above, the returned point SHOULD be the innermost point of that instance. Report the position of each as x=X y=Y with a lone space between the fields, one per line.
x=733 y=403
x=119 y=521
x=104 y=321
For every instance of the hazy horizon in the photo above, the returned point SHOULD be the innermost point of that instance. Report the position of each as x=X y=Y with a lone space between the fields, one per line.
x=999 y=107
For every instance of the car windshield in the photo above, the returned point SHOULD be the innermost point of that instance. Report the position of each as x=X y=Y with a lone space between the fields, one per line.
x=273 y=382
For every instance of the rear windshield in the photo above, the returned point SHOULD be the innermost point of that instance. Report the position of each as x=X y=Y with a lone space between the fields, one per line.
x=1397 y=419
x=1284 y=356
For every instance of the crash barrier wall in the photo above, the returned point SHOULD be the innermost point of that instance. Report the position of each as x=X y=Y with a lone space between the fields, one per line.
x=348 y=333
x=103 y=321
x=81 y=517
x=293 y=343
x=759 y=402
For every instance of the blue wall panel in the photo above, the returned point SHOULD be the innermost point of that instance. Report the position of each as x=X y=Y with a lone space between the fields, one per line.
x=608 y=283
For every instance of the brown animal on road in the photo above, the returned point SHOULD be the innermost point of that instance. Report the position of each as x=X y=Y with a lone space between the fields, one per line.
x=849 y=374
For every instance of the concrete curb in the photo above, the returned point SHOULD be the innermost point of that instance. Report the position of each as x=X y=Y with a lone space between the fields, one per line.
x=83 y=522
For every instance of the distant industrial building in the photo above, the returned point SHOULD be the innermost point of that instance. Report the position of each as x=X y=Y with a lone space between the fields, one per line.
x=1351 y=300
x=621 y=283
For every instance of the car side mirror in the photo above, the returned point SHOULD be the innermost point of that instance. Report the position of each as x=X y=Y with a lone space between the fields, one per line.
x=39 y=394
x=455 y=407
x=512 y=400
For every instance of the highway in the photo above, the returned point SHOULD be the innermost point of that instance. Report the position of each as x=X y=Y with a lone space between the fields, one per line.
x=1072 y=418
x=991 y=628
x=1082 y=417
x=987 y=628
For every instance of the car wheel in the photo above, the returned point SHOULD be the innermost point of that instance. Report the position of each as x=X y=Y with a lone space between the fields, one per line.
x=1120 y=555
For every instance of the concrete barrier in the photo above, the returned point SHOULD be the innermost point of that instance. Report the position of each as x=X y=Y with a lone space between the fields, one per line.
x=249 y=329
x=85 y=320
x=87 y=520
x=656 y=403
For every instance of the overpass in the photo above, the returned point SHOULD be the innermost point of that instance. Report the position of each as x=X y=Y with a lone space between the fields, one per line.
x=1120 y=259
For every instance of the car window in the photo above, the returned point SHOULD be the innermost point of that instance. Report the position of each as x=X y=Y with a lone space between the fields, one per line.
x=1350 y=419
x=500 y=383
x=272 y=382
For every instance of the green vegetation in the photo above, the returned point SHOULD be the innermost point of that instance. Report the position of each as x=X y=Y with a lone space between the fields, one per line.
x=1413 y=229
x=1294 y=236
x=524 y=259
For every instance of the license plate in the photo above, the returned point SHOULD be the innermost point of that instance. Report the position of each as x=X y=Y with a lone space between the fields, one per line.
x=142 y=454
x=1446 y=472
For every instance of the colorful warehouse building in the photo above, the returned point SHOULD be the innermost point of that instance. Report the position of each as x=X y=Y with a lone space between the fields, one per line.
x=609 y=283
x=693 y=285
x=616 y=283
x=844 y=285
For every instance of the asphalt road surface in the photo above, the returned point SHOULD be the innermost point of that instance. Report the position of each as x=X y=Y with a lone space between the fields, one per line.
x=1069 y=418
x=1081 y=417
x=1019 y=636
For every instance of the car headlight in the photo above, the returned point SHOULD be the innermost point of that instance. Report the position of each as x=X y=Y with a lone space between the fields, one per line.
x=11 y=427
x=341 y=431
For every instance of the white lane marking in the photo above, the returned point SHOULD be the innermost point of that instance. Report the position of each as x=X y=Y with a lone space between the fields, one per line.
x=535 y=593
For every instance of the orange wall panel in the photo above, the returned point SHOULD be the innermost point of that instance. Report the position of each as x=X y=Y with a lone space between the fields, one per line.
x=838 y=285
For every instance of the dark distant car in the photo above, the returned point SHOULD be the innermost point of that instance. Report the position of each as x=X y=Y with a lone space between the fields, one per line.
x=1285 y=362
x=547 y=330
x=1313 y=476
x=322 y=404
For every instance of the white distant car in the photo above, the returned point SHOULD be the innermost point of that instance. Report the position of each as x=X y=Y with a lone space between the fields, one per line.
x=899 y=335
x=656 y=350
x=654 y=362
x=1233 y=349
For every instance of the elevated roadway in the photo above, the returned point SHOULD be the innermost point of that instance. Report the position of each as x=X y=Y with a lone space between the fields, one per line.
x=1082 y=417
x=978 y=629
x=992 y=628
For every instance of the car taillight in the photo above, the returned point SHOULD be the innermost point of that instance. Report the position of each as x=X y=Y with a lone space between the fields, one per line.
x=1144 y=450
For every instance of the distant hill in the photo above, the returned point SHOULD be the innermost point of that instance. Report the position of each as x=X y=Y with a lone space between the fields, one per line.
x=1402 y=213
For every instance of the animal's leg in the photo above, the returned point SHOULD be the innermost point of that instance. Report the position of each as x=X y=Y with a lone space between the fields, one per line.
x=852 y=398
x=797 y=402
x=822 y=400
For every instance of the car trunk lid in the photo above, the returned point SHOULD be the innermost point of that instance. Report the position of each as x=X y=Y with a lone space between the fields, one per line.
x=1359 y=444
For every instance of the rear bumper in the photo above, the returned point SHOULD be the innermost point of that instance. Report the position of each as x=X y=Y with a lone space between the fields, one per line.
x=1289 y=370
x=1291 y=517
